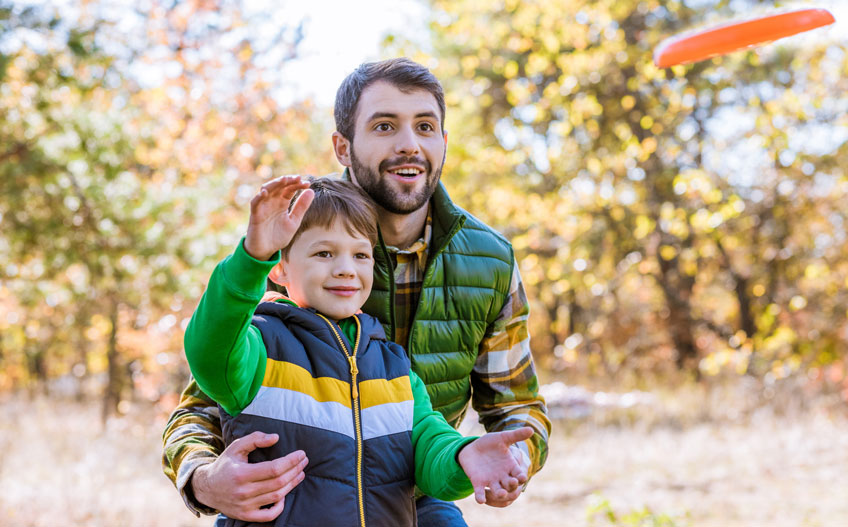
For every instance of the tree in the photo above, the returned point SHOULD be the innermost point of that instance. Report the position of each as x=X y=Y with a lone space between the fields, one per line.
x=117 y=192
x=657 y=214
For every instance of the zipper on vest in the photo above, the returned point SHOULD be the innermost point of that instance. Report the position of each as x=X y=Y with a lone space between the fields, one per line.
x=354 y=371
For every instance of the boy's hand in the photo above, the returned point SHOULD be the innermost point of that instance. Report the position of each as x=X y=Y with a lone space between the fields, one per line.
x=494 y=472
x=272 y=226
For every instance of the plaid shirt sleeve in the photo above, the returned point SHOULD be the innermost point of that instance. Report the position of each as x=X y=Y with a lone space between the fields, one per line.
x=505 y=387
x=192 y=438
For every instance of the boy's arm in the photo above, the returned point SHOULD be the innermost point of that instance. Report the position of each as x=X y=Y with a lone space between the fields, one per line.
x=449 y=466
x=436 y=445
x=226 y=353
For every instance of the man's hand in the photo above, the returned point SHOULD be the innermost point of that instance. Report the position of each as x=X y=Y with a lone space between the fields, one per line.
x=272 y=226
x=239 y=489
x=494 y=471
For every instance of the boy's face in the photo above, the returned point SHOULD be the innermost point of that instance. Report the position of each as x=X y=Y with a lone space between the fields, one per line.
x=329 y=270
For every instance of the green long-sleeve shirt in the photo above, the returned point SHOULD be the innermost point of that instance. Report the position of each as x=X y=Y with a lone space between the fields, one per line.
x=227 y=356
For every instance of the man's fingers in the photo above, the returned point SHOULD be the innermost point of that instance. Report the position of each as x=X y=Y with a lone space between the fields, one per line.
x=277 y=494
x=265 y=515
x=276 y=482
x=243 y=446
x=276 y=468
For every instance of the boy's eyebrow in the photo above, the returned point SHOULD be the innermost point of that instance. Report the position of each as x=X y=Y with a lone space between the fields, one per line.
x=362 y=242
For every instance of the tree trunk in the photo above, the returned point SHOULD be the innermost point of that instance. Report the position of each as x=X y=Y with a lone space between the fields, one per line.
x=112 y=395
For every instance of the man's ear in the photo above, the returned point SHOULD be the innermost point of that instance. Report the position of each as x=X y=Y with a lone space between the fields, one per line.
x=342 y=148
x=278 y=273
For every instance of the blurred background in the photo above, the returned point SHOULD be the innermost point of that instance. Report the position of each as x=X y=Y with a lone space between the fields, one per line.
x=681 y=234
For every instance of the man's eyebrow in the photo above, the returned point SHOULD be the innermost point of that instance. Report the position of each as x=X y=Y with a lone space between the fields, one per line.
x=382 y=115
x=388 y=115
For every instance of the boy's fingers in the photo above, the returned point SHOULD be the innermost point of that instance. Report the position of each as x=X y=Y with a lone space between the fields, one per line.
x=510 y=484
x=283 y=187
x=302 y=203
x=501 y=498
x=519 y=434
x=480 y=494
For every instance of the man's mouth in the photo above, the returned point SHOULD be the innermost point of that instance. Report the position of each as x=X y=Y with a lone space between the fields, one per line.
x=406 y=172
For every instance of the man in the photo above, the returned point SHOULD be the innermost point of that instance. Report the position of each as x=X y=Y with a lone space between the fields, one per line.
x=446 y=287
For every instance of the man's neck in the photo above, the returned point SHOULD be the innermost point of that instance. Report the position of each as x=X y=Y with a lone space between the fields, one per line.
x=402 y=230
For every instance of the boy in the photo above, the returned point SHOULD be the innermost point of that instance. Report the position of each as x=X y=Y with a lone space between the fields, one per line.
x=325 y=379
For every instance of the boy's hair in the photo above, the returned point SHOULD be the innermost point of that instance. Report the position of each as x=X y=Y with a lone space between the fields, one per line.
x=403 y=73
x=338 y=200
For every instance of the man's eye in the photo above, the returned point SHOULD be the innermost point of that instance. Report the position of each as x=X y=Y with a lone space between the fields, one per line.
x=383 y=127
x=426 y=127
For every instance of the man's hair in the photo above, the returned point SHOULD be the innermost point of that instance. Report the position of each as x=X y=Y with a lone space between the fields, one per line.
x=402 y=73
x=338 y=200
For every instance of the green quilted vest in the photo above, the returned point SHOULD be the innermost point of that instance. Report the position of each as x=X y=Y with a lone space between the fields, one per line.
x=466 y=282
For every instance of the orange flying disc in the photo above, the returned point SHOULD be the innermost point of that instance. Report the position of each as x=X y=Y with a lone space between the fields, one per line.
x=726 y=38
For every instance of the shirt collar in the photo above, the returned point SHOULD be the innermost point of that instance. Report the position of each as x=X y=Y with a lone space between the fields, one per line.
x=419 y=247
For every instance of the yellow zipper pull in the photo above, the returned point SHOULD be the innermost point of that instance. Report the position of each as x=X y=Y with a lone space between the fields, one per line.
x=353 y=371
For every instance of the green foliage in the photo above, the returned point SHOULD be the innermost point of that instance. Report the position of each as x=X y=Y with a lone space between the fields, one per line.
x=601 y=513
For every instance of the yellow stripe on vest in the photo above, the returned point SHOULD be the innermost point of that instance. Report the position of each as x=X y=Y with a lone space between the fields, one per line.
x=375 y=392
x=281 y=374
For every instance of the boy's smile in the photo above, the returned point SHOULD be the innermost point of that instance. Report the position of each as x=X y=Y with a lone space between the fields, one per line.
x=329 y=269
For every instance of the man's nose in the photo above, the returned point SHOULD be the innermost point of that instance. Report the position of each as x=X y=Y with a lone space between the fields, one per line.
x=407 y=142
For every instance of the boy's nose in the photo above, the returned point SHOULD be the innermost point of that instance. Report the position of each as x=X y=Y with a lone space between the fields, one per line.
x=344 y=267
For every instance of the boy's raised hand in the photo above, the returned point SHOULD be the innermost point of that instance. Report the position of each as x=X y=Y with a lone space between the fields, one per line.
x=493 y=470
x=271 y=225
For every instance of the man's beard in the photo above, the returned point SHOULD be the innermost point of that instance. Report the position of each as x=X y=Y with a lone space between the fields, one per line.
x=394 y=200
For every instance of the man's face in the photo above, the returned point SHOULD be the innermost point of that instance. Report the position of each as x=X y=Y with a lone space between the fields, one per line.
x=399 y=147
x=330 y=270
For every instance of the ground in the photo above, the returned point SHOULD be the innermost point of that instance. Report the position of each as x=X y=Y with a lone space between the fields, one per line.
x=60 y=466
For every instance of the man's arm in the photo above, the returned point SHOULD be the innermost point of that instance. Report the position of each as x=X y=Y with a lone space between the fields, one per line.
x=206 y=474
x=192 y=438
x=505 y=387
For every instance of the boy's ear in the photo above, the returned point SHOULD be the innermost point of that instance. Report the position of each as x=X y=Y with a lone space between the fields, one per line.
x=341 y=146
x=278 y=273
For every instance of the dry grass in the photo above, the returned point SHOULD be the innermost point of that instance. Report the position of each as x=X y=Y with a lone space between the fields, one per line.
x=60 y=466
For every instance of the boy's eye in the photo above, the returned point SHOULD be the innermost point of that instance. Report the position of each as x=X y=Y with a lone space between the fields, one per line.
x=363 y=256
x=323 y=254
